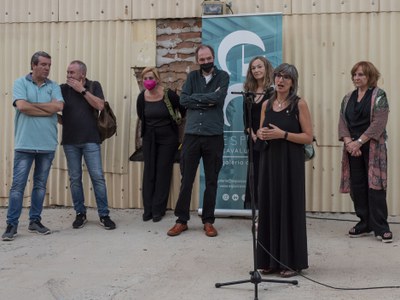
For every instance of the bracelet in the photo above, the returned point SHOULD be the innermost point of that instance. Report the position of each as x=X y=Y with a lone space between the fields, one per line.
x=347 y=143
x=285 y=136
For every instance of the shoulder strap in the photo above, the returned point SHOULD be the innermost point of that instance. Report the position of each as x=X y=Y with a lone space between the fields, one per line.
x=169 y=106
x=95 y=111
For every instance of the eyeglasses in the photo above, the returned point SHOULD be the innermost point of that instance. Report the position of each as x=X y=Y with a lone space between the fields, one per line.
x=283 y=76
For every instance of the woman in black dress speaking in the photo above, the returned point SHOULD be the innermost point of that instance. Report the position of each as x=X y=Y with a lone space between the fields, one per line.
x=286 y=126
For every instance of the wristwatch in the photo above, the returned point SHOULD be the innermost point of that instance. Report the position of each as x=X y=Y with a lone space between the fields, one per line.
x=360 y=141
x=84 y=92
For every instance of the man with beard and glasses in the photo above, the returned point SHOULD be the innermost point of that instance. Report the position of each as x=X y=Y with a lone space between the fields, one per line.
x=203 y=94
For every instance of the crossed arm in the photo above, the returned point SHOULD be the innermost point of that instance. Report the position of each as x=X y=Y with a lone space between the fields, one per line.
x=39 y=109
x=207 y=99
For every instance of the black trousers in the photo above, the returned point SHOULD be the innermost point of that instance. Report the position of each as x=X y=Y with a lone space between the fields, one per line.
x=370 y=205
x=159 y=148
x=210 y=149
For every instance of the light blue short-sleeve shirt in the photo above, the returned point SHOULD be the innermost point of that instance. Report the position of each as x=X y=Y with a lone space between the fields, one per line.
x=32 y=132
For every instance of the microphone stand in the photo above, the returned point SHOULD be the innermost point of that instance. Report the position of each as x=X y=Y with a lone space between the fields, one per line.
x=255 y=277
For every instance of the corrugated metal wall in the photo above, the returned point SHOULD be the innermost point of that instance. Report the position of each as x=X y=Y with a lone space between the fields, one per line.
x=323 y=38
x=324 y=47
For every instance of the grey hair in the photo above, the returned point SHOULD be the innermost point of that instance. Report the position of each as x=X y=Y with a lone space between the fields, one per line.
x=81 y=64
x=36 y=55
x=291 y=71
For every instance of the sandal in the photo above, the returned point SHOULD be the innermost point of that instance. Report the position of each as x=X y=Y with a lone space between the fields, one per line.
x=355 y=232
x=288 y=273
x=268 y=271
x=386 y=237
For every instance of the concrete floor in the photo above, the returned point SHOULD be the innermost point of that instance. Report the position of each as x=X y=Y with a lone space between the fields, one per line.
x=139 y=261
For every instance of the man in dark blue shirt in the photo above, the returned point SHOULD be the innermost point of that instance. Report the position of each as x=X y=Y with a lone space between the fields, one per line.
x=203 y=94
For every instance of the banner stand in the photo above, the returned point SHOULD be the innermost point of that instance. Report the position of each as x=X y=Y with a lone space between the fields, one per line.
x=229 y=212
x=237 y=39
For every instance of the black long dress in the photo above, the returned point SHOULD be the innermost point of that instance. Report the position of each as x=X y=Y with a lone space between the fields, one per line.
x=281 y=200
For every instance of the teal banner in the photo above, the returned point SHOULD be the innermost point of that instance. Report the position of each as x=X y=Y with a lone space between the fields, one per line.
x=236 y=39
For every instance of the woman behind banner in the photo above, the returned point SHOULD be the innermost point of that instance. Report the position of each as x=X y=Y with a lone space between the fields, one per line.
x=286 y=126
x=363 y=117
x=160 y=142
x=258 y=89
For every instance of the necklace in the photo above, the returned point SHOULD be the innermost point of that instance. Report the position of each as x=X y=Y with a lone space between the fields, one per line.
x=280 y=102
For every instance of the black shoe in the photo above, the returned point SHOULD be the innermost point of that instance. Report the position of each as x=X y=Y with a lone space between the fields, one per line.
x=386 y=237
x=10 y=233
x=157 y=219
x=355 y=232
x=147 y=217
x=107 y=223
x=80 y=221
x=38 y=227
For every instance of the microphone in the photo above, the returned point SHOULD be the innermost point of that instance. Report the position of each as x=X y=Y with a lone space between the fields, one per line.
x=270 y=89
x=267 y=92
x=245 y=93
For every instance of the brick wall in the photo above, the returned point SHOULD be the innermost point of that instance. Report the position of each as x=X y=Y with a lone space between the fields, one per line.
x=177 y=40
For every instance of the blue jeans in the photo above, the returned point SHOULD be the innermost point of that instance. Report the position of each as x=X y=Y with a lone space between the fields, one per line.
x=22 y=165
x=92 y=155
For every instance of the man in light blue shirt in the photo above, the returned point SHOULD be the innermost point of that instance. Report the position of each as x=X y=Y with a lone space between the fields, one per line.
x=37 y=100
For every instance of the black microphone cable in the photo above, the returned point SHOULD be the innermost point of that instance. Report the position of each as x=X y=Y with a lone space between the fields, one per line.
x=342 y=220
x=324 y=284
